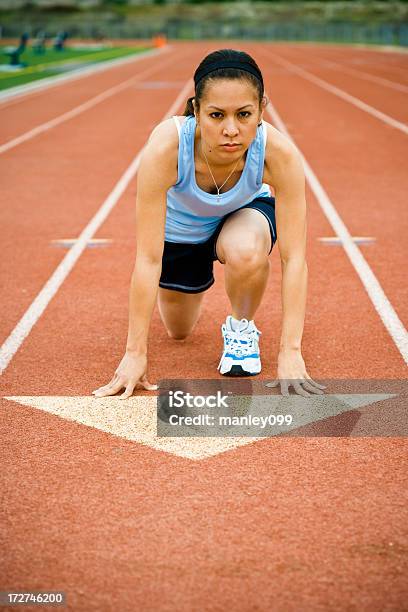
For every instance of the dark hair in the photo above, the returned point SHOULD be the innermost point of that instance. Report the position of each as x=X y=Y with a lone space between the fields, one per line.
x=229 y=62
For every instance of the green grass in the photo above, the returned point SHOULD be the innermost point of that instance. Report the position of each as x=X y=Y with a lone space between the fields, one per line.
x=47 y=64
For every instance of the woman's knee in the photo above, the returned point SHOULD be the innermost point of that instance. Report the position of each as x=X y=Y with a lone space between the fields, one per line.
x=177 y=329
x=249 y=254
x=179 y=312
x=178 y=334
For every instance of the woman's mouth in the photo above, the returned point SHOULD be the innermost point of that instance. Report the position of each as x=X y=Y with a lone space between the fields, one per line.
x=233 y=146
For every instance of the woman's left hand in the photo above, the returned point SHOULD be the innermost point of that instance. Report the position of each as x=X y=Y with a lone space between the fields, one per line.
x=292 y=372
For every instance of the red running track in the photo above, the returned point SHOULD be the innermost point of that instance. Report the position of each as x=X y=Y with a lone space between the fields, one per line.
x=314 y=523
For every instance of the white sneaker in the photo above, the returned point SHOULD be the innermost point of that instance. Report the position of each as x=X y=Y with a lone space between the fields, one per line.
x=241 y=349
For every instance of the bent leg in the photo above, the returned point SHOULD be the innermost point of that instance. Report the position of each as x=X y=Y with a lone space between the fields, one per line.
x=179 y=311
x=243 y=246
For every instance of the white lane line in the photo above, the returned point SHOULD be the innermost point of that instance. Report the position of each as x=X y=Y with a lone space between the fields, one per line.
x=15 y=94
x=335 y=240
x=305 y=74
x=365 y=75
x=108 y=93
x=375 y=292
x=40 y=303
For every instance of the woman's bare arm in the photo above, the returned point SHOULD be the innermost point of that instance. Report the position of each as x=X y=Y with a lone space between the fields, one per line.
x=289 y=187
x=284 y=171
x=157 y=172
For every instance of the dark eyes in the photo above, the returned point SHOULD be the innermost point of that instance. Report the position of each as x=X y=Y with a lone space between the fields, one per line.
x=242 y=114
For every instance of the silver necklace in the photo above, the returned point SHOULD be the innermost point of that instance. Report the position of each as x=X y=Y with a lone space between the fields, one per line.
x=212 y=176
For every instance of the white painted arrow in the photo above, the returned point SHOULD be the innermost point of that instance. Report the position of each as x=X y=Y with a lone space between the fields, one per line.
x=135 y=419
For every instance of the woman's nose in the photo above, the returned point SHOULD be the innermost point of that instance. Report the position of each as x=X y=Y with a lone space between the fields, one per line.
x=230 y=129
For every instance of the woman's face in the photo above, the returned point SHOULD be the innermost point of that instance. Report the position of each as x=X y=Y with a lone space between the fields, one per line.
x=228 y=117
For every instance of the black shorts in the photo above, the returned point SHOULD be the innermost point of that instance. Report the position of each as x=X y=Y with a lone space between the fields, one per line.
x=189 y=267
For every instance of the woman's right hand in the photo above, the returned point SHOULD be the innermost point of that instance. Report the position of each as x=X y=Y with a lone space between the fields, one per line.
x=131 y=373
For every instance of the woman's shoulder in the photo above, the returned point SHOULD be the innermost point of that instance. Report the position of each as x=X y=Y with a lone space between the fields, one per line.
x=164 y=136
x=162 y=149
x=167 y=130
x=280 y=152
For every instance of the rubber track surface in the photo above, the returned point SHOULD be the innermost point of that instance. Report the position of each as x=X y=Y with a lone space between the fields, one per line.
x=285 y=524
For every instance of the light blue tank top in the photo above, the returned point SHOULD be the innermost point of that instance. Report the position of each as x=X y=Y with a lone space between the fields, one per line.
x=192 y=213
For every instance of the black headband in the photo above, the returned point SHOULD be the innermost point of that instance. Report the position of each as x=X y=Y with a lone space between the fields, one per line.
x=199 y=74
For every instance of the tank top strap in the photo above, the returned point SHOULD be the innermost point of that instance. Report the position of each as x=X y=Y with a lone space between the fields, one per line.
x=261 y=153
x=265 y=133
x=177 y=122
x=186 y=132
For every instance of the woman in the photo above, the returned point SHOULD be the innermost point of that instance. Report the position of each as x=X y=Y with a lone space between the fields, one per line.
x=203 y=194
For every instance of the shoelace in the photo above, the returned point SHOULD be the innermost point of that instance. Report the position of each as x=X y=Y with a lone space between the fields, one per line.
x=239 y=342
